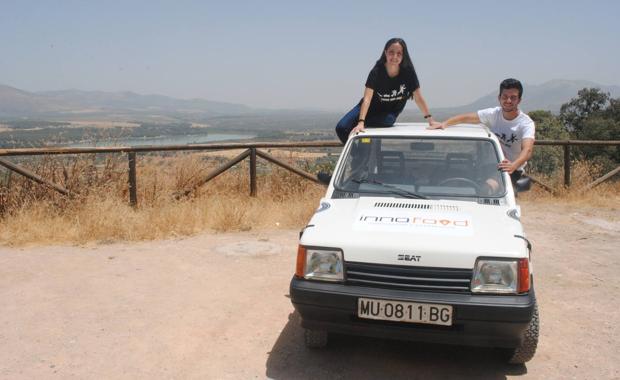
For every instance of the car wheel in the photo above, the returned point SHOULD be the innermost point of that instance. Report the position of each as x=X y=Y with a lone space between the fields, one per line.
x=315 y=338
x=526 y=350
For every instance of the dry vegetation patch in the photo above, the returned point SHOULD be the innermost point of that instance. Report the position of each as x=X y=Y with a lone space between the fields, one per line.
x=98 y=210
x=583 y=173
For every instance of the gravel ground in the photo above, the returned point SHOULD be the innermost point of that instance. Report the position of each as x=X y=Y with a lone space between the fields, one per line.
x=216 y=306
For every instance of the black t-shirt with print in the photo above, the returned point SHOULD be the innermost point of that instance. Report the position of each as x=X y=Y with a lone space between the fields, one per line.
x=390 y=94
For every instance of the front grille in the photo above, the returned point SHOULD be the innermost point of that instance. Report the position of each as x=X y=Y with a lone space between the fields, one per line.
x=409 y=278
x=403 y=205
x=422 y=206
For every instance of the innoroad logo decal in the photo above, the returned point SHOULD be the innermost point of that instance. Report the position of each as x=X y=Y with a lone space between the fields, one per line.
x=415 y=222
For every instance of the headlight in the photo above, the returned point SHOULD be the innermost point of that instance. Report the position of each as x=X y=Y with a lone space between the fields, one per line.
x=319 y=264
x=501 y=276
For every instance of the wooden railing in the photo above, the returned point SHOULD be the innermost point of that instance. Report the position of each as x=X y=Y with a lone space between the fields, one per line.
x=251 y=150
x=566 y=144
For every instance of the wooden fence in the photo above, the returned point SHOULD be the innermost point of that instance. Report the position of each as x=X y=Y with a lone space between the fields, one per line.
x=251 y=150
x=566 y=144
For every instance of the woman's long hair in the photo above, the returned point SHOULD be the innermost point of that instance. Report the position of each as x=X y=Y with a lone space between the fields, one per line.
x=406 y=63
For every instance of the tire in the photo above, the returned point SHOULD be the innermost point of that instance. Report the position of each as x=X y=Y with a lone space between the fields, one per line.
x=525 y=351
x=315 y=338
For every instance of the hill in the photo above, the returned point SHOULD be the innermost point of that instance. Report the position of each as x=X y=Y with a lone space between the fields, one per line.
x=70 y=105
x=74 y=104
x=547 y=96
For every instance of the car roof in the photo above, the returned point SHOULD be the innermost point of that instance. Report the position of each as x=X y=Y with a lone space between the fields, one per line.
x=420 y=129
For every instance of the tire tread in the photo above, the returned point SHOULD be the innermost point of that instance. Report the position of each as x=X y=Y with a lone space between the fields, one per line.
x=526 y=350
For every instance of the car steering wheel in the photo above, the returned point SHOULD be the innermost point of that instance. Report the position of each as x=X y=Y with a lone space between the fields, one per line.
x=462 y=180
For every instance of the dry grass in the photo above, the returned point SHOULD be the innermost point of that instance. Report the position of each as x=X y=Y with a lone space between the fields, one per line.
x=583 y=173
x=99 y=212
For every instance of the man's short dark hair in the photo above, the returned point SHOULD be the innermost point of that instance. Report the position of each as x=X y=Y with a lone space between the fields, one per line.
x=511 y=83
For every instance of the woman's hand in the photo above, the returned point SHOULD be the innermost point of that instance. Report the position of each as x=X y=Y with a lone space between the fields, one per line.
x=433 y=124
x=358 y=128
x=436 y=125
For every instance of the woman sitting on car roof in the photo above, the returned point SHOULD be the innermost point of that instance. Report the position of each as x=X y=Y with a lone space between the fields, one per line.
x=390 y=83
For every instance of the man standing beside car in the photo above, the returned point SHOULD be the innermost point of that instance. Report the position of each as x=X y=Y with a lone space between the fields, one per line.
x=514 y=128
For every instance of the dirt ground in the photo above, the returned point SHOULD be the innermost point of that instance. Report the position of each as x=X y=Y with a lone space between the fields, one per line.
x=216 y=306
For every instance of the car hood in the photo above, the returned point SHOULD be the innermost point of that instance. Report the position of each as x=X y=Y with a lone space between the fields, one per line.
x=429 y=233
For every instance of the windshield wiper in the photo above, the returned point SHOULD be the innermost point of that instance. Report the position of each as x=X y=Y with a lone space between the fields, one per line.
x=393 y=189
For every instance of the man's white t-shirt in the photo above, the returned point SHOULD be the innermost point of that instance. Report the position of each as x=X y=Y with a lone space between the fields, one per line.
x=510 y=133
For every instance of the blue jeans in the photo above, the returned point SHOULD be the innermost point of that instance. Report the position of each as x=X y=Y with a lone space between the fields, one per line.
x=349 y=121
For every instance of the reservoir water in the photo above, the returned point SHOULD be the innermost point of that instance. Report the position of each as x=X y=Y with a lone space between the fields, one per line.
x=166 y=140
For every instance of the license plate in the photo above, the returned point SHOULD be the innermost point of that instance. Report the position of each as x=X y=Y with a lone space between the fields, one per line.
x=399 y=311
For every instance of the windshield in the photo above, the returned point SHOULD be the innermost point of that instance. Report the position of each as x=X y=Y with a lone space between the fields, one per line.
x=421 y=167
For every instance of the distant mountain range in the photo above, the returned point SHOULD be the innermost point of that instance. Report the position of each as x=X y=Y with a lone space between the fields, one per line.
x=548 y=96
x=75 y=104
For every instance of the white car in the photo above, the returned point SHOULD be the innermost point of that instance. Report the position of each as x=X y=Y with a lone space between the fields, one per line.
x=418 y=237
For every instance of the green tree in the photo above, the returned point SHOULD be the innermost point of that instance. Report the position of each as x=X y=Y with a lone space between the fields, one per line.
x=547 y=159
x=613 y=110
x=548 y=126
x=600 y=127
x=589 y=102
x=594 y=115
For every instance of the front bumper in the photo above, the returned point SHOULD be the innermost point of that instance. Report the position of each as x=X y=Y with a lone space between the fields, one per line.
x=478 y=320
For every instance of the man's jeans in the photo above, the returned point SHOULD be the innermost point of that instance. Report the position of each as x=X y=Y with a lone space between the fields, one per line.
x=349 y=121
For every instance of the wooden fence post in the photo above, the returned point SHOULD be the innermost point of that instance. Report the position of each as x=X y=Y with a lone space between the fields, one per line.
x=133 y=189
x=252 y=172
x=567 y=165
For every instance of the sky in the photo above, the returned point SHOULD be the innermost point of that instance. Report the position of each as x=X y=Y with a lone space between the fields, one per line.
x=302 y=54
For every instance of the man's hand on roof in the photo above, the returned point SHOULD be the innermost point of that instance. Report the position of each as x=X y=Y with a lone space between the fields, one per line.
x=438 y=125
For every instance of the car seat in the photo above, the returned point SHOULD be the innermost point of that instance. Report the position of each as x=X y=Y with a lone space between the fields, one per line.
x=391 y=167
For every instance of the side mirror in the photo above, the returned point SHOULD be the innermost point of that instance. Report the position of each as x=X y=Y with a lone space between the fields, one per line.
x=324 y=177
x=523 y=184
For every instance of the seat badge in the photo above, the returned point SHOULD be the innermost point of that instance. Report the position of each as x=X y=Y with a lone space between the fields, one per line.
x=403 y=257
